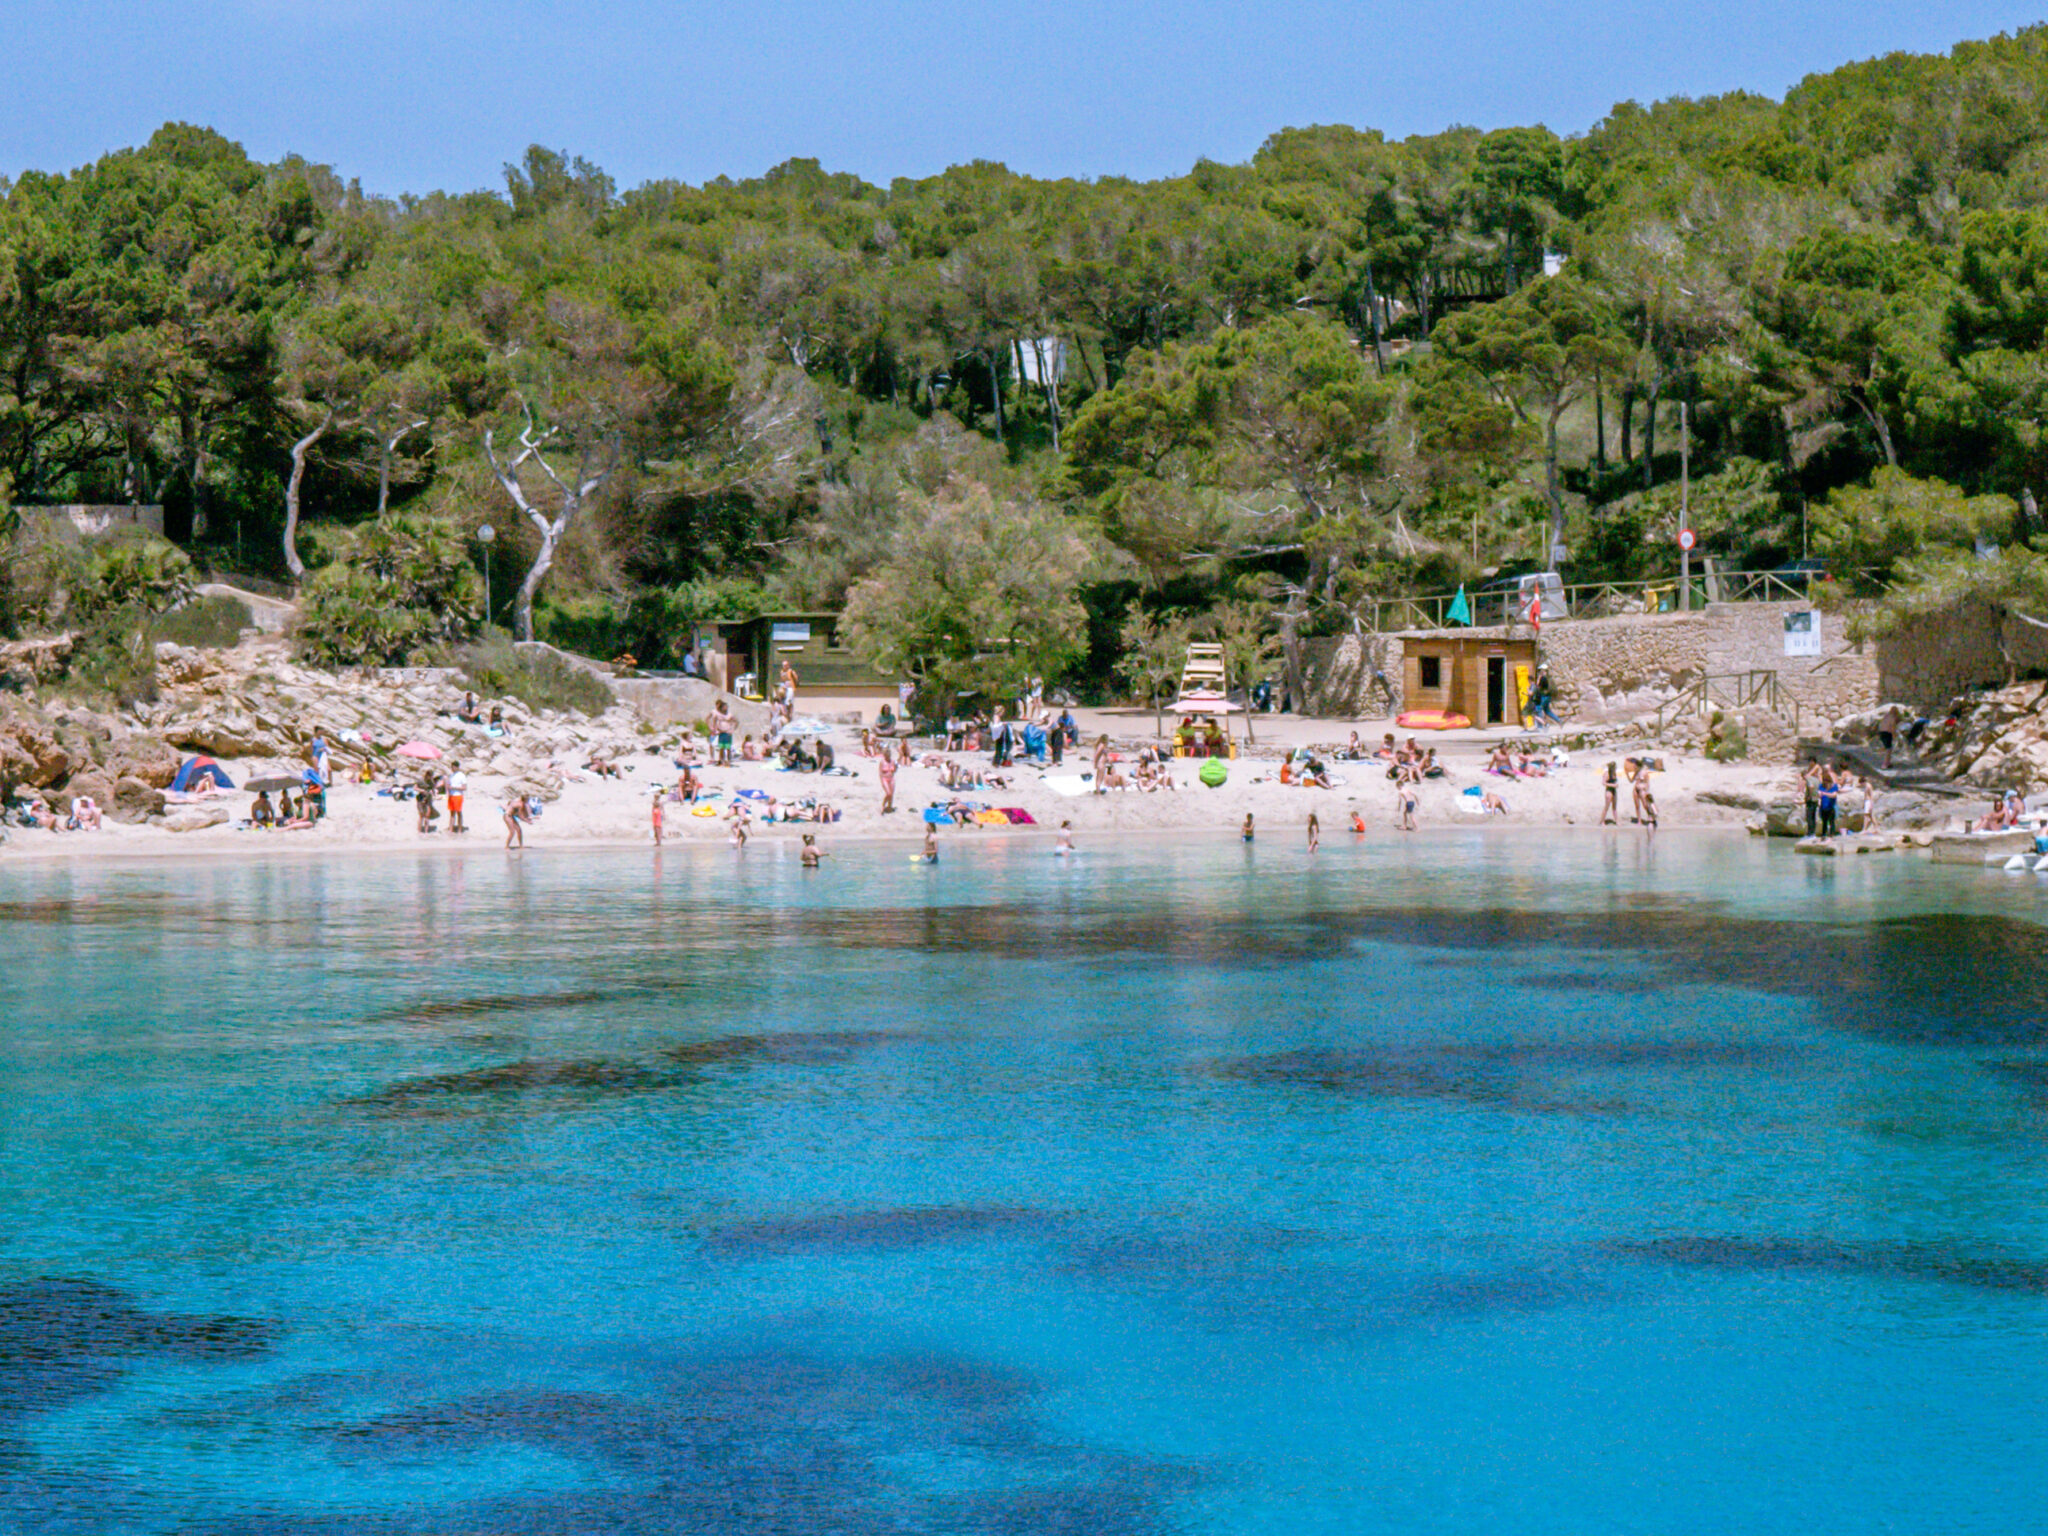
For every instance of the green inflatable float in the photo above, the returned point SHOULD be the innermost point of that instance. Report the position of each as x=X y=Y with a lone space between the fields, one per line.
x=1213 y=772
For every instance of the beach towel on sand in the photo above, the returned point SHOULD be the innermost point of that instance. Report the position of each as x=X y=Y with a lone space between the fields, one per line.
x=991 y=819
x=1069 y=784
x=1018 y=816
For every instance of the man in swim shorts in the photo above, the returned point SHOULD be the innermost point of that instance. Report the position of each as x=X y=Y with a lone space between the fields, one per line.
x=723 y=723
x=458 y=788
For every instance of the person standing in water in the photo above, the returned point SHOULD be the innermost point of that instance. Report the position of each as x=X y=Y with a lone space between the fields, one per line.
x=1066 y=840
x=1247 y=826
x=812 y=853
x=931 y=843
x=1315 y=832
x=657 y=817
x=517 y=815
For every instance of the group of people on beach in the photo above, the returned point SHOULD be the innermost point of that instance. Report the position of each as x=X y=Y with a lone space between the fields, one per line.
x=1636 y=773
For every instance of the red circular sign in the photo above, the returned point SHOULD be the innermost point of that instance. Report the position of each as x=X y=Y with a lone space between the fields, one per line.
x=1687 y=538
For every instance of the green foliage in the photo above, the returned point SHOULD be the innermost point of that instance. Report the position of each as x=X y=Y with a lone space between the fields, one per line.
x=395 y=588
x=1155 y=652
x=976 y=596
x=493 y=669
x=149 y=575
x=1867 y=531
x=214 y=622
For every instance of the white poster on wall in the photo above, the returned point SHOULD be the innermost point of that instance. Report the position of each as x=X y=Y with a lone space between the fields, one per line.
x=1802 y=633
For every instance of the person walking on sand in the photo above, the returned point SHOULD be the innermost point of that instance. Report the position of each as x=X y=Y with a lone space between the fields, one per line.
x=1315 y=832
x=1610 y=797
x=887 y=769
x=657 y=816
x=458 y=791
x=517 y=815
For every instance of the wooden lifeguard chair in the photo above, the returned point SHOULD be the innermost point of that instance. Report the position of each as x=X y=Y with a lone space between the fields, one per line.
x=1205 y=690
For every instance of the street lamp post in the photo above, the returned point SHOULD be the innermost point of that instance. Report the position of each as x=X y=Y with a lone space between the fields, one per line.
x=484 y=536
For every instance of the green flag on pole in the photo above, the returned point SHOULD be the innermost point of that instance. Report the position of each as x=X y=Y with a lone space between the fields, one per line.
x=1460 y=611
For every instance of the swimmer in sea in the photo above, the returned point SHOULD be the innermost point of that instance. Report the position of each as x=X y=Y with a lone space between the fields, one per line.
x=1066 y=842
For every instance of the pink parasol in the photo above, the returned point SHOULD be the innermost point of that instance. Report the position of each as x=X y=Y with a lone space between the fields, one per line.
x=420 y=749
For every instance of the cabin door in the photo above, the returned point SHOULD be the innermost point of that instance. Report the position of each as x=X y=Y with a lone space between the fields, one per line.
x=1496 y=689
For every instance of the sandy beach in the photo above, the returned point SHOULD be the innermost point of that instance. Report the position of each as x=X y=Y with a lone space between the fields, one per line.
x=594 y=811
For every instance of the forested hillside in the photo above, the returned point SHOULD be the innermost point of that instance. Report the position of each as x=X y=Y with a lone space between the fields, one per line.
x=1070 y=415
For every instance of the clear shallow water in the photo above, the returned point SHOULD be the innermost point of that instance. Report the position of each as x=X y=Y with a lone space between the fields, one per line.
x=1466 y=1184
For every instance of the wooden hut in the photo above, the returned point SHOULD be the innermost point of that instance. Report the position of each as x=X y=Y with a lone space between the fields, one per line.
x=1481 y=674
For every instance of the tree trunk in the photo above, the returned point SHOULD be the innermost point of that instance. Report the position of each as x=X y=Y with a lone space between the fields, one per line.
x=1372 y=302
x=995 y=384
x=300 y=449
x=522 y=604
x=1290 y=644
x=1599 y=423
x=1650 y=433
x=1550 y=483
x=1628 y=412
x=1879 y=425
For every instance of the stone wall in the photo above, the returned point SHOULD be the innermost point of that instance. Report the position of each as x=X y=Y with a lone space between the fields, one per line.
x=1619 y=667
x=1925 y=664
x=1338 y=674
x=81 y=522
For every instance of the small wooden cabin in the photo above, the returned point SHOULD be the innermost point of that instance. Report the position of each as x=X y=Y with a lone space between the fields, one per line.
x=1469 y=672
x=831 y=679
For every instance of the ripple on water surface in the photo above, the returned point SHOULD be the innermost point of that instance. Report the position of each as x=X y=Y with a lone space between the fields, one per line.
x=1460 y=1184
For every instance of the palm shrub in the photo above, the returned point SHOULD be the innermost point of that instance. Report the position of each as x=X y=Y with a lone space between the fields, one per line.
x=395 y=588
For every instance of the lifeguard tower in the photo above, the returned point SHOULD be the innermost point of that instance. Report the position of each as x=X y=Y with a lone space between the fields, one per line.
x=1204 y=696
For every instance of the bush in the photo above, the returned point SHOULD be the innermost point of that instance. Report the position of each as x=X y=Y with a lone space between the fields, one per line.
x=491 y=668
x=113 y=659
x=215 y=622
x=395 y=589
x=148 y=574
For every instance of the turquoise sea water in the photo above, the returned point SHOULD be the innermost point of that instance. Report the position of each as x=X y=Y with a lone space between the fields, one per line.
x=1462 y=1184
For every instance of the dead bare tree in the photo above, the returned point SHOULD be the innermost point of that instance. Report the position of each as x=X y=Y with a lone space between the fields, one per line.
x=597 y=457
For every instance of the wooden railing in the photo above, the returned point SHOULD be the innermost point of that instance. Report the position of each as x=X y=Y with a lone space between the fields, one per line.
x=1757 y=688
x=1590 y=600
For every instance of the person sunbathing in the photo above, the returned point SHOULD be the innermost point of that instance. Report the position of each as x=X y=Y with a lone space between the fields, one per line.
x=85 y=814
x=1491 y=804
x=750 y=751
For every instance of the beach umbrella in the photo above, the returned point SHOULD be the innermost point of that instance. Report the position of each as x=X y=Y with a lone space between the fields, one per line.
x=425 y=751
x=201 y=770
x=271 y=784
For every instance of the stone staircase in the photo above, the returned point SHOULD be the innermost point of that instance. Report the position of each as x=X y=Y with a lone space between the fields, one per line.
x=1906 y=773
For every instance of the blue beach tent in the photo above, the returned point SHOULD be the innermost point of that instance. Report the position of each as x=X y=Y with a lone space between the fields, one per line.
x=201 y=770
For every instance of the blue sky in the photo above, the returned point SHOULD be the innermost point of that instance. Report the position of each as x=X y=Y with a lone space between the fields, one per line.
x=415 y=95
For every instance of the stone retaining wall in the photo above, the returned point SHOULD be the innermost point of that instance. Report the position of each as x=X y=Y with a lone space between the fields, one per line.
x=1618 y=668
x=1928 y=662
